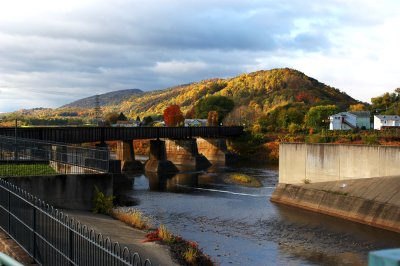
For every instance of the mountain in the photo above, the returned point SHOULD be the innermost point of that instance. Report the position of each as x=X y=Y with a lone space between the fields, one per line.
x=109 y=98
x=279 y=96
x=262 y=91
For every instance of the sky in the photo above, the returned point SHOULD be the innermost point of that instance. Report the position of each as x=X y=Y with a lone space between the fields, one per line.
x=55 y=52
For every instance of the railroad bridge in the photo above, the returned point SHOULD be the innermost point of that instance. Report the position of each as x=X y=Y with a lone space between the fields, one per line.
x=190 y=146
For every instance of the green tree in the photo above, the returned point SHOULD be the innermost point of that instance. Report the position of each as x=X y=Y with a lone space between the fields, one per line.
x=111 y=118
x=122 y=117
x=221 y=104
x=318 y=116
x=147 y=120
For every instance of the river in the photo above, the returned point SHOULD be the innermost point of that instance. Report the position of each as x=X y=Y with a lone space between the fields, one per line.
x=238 y=225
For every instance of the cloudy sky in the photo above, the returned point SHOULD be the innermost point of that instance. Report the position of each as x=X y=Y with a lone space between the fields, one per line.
x=54 y=52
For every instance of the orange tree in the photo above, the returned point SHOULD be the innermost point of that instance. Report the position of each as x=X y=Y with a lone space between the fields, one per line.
x=173 y=116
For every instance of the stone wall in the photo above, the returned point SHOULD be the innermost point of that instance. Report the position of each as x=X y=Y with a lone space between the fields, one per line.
x=300 y=162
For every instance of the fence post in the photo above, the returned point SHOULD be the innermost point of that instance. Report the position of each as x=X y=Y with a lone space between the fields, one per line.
x=34 y=232
x=9 y=211
x=71 y=245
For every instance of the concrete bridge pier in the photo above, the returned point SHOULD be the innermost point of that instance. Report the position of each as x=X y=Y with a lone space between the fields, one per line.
x=216 y=151
x=185 y=152
x=126 y=154
x=158 y=162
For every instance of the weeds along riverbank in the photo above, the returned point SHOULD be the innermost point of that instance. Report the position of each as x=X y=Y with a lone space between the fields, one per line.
x=183 y=251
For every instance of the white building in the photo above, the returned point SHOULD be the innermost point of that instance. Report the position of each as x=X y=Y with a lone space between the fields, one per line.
x=386 y=121
x=350 y=120
x=195 y=122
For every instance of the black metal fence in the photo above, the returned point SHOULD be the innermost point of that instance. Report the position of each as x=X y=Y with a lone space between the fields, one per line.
x=19 y=156
x=53 y=238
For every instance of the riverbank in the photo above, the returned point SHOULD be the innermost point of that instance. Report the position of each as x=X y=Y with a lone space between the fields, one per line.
x=371 y=201
x=11 y=248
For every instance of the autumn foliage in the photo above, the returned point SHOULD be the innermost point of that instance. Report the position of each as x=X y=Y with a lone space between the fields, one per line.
x=173 y=116
x=212 y=119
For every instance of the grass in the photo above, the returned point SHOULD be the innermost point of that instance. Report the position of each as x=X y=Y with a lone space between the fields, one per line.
x=242 y=179
x=26 y=169
x=131 y=217
x=190 y=255
x=165 y=235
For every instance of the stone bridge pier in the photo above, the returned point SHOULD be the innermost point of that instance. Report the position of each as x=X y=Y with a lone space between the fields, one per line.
x=126 y=154
x=216 y=151
x=158 y=162
x=185 y=152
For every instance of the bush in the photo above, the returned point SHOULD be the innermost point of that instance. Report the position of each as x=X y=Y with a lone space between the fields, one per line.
x=370 y=139
x=102 y=203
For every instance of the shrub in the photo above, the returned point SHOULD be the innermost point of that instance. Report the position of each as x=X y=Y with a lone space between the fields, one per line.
x=370 y=139
x=102 y=203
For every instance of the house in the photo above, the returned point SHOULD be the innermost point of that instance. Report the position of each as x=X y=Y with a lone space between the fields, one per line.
x=195 y=122
x=123 y=123
x=386 y=121
x=350 y=120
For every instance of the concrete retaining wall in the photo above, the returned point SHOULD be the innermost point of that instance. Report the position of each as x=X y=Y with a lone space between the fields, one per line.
x=66 y=191
x=329 y=162
x=371 y=201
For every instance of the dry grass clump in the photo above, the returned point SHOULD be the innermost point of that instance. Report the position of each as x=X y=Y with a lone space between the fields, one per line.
x=190 y=255
x=131 y=217
x=165 y=235
x=242 y=179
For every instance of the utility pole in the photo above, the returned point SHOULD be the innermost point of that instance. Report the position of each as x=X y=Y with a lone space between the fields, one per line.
x=15 y=140
x=97 y=109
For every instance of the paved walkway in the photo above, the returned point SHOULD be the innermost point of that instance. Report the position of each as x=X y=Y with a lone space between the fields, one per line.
x=125 y=235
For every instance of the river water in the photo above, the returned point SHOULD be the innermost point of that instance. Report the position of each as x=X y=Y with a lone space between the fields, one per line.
x=238 y=225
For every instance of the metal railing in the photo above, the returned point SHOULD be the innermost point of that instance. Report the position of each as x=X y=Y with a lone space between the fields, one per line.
x=53 y=238
x=93 y=134
x=41 y=157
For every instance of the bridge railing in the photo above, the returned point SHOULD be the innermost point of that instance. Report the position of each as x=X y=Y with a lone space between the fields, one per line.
x=53 y=238
x=19 y=156
x=93 y=134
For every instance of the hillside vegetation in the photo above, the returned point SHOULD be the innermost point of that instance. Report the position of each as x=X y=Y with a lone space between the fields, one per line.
x=277 y=97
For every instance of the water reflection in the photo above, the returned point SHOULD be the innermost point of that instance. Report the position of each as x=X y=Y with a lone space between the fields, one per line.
x=238 y=225
x=172 y=182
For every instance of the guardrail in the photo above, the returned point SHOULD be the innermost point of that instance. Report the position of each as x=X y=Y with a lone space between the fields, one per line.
x=53 y=238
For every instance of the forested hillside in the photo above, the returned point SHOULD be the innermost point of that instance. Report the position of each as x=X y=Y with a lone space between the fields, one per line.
x=261 y=91
x=277 y=97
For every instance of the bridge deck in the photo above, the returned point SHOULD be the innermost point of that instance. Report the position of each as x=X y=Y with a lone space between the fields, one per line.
x=94 y=134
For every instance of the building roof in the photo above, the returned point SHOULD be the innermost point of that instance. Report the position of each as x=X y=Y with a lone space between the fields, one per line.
x=357 y=114
x=388 y=117
x=361 y=113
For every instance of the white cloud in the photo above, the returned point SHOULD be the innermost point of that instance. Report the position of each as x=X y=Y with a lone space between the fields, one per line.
x=179 y=67
x=85 y=47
